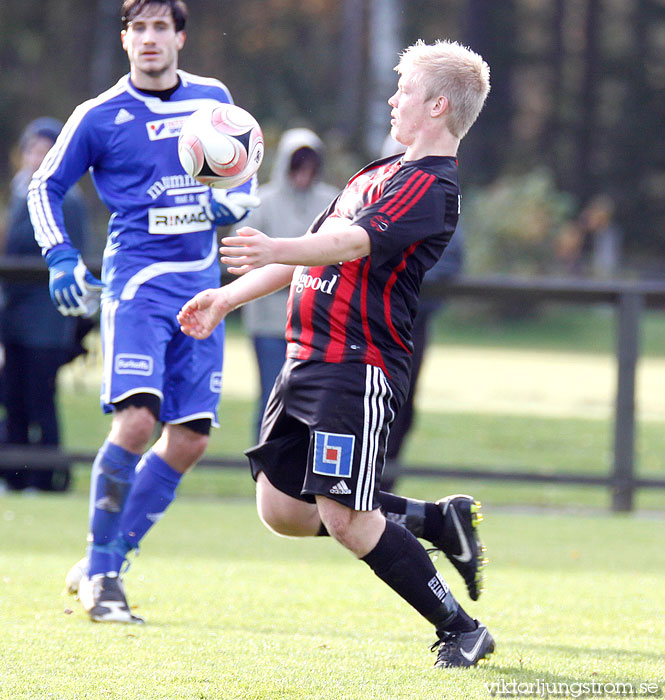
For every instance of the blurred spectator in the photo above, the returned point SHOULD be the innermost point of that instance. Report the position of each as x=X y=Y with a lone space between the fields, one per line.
x=36 y=338
x=591 y=244
x=448 y=265
x=290 y=201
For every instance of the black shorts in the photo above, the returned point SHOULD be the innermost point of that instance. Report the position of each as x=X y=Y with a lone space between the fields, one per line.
x=325 y=431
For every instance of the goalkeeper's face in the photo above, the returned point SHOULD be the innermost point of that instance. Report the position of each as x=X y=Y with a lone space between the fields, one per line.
x=152 y=45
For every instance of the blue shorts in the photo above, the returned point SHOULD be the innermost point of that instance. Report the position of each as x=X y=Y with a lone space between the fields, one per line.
x=144 y=351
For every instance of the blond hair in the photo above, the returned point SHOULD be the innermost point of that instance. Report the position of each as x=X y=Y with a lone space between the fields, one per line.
x=454 y=71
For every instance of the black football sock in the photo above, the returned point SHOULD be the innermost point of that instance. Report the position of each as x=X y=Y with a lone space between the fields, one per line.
x=460 y=623
x=400 y=561
x=421 y=518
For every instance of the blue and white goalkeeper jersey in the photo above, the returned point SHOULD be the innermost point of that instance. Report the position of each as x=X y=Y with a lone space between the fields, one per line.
x=160 y=242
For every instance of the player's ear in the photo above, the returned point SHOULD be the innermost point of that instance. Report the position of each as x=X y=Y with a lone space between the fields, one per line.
x=440 y=106
x=181 y=38
x=123 y=38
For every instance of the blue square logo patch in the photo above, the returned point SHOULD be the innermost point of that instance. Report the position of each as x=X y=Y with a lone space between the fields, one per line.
x=333 y=454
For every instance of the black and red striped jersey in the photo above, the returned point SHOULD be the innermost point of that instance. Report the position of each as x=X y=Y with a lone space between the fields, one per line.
x=363 y=310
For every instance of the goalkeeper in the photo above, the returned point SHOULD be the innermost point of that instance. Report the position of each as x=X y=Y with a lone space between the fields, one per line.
x=161 y=250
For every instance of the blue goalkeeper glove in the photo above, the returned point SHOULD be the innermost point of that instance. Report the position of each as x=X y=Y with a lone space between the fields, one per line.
x=224 y=208
x=74 y=290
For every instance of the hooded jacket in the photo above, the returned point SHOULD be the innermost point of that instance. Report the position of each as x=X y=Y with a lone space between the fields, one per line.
x=285 y=212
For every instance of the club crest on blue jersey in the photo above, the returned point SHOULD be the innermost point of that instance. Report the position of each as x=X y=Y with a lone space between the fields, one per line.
x=333 y=454
x=164 y=128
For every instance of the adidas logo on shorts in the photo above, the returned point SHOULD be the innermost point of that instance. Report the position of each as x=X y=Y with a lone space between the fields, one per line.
x=340 y=488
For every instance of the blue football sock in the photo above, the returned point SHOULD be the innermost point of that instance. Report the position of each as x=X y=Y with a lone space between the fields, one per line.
x=112 y=476
x=153 y=491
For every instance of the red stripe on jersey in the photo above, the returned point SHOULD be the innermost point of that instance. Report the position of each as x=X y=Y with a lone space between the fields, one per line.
x=386 y=296
x=402 y=194
x=408 y=195
x=339 y=311
x=288 y=333
x=306 y=310
x=423 y=187
x=373 y=355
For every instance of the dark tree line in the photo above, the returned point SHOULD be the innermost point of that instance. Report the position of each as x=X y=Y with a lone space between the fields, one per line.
x=578 y=85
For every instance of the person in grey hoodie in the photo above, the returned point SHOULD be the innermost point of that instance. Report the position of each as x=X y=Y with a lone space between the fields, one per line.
x=290 y=201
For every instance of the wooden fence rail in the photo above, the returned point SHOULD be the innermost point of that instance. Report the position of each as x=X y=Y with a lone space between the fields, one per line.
x=629 y=299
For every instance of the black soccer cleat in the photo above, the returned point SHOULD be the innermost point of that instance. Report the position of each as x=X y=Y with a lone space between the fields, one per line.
x=460 y=542
x=462 y=649
x=103 y=598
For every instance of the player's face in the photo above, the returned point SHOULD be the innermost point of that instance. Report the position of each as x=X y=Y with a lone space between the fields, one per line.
x=152 y=45
x=410 y=110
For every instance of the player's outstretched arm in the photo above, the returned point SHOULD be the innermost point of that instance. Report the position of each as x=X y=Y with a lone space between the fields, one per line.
x=201 y=314
x=252 y=249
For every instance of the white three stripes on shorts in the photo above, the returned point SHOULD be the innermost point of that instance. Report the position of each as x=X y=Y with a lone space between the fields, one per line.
x=377 y=414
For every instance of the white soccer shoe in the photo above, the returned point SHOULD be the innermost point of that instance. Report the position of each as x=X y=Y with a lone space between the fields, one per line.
x=103 y=598
x=74 y=576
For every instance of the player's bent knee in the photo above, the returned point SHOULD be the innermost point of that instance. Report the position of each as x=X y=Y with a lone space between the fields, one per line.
x=358 y=531
x=278 y=517
x=180 y=446
x=197 y=444
x=283 y=514
x=277 y=522
x=132 y=427
x=339 y=525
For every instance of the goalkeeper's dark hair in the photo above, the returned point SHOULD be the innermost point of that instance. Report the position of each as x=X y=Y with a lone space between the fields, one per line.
x=132 y=8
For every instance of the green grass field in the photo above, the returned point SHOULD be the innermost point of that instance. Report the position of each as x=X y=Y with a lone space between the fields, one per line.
x=236 y=612
x=574 y=595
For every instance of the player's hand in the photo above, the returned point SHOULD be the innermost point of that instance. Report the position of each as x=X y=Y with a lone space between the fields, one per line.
x=200 y=316
x=74 y=290
x=247 y=251
x=224 y=207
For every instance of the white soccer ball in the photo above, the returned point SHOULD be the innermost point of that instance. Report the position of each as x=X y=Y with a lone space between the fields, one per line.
x=221 y=145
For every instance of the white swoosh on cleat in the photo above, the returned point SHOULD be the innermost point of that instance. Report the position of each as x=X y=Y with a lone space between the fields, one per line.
x=470 y=655
x=115 y=612
x=465 y=555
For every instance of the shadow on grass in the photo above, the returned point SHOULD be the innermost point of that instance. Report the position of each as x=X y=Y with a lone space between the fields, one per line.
x=582 y=652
